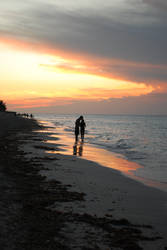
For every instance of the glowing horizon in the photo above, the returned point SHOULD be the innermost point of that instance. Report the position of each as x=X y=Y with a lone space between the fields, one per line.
x=30 y=77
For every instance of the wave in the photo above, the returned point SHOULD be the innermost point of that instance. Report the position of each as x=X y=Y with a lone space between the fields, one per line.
x=142 y=139
x=69 y=129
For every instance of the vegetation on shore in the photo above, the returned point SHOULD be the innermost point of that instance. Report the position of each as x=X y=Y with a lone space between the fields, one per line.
x=3 y=106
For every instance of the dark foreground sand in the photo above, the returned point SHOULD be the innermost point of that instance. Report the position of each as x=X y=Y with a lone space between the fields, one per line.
x=31 y=215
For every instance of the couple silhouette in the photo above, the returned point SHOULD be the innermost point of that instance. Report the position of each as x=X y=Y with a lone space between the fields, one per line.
x=80 y=128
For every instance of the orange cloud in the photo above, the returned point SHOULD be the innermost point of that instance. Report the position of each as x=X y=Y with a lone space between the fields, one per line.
x=77 y=63
x=39 y=102
x=100 y=94
x=65 y=77
x=91 y=94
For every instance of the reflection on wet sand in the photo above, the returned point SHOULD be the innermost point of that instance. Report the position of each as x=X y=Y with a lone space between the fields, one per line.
x=96 y=154
x=78 y=148
x=99 y=155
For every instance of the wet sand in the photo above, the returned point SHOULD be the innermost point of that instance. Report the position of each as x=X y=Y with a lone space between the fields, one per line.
x=68 y=146
x=107 y=191
x=56 y=201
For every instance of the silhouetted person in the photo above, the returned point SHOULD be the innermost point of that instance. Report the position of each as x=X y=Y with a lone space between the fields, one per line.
x=82 y=127
x=77 y=126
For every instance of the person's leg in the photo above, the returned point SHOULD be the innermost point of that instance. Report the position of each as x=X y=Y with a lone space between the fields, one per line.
x=76 y=137
x=82 y=134
x=76 y=134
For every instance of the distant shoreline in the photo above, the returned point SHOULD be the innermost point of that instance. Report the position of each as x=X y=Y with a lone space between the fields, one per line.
x=11 y=121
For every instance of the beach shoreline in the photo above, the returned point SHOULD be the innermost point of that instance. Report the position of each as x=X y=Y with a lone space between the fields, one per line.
x=100 y=155
x=139 y=140
x=81 y=204
x=81 y=175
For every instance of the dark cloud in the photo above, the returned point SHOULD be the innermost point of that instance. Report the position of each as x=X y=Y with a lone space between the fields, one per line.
x=141 y=38
x=95 y=35
x=161 y=4
x=147 y=104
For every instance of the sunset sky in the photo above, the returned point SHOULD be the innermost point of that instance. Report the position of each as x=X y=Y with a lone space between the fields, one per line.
x=84 y=56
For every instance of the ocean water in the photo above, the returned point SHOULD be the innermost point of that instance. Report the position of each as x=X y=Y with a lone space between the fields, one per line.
x=142 y=139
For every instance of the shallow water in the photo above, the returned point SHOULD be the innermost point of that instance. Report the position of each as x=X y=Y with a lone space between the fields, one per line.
x=140 y=139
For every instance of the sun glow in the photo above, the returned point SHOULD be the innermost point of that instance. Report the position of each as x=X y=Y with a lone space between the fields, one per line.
x=27 y=77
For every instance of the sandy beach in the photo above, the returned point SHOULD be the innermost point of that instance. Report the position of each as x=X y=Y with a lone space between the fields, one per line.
x=55 y=201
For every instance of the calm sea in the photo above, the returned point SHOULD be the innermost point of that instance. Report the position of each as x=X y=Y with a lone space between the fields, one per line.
x=142 y=139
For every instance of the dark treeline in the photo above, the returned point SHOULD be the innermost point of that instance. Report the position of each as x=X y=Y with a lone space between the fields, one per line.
x=3 y=107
